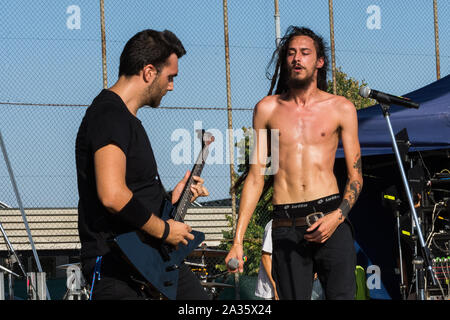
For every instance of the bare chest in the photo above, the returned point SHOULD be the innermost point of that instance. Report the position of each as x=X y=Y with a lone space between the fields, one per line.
x=305 y=127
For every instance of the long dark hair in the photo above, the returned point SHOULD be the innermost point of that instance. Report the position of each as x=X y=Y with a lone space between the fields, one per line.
x=279 y=77
x=149 y=47
x=278 y=62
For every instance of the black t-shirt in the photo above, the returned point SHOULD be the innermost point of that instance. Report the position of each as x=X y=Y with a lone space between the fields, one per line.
x=108 y=121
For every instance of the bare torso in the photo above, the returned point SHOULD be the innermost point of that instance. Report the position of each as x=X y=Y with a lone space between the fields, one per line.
x=308 y=139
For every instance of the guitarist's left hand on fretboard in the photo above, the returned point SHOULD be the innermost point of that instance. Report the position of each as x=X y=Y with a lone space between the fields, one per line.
x=198 y=189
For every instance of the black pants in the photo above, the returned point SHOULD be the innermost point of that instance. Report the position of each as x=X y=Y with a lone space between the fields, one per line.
x=118 y=281
x=295 y=260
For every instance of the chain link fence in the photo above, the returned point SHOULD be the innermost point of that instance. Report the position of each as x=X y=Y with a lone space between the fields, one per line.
x=53 y=66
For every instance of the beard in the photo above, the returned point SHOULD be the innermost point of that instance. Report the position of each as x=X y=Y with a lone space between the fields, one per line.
x=295 y=82
x=154 y=102
x=154 y=94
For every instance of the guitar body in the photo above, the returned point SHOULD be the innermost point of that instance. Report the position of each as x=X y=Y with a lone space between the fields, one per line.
x=156 y=262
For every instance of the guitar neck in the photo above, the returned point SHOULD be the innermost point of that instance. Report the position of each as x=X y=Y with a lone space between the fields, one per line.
x=186 y=196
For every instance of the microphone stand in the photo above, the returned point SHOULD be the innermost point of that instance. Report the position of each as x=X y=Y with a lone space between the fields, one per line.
x=402 y=280
x=419 y=261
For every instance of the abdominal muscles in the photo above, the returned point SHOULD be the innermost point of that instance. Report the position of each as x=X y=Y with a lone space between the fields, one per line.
x=305 y=173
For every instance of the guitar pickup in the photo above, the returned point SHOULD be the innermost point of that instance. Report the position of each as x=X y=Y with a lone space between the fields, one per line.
x=172 y=268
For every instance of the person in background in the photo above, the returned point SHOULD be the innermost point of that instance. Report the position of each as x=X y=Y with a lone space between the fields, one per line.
x=265 y=286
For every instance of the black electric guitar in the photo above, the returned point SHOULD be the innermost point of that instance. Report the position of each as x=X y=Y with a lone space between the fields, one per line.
x=158 y=262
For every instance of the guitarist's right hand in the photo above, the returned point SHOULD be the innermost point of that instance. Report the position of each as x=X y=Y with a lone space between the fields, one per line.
x=179 y=233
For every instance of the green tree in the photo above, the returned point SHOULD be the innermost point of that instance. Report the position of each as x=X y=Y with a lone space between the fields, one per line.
x=349 y=87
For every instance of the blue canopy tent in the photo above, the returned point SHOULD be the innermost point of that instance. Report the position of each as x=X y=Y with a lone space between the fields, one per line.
x=428 y=129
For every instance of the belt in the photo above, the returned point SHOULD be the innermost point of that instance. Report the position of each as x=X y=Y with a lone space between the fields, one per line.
x=298 y=222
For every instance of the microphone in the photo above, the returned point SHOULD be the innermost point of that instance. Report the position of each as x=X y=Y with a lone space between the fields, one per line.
x=382 y=97
x=233 y=263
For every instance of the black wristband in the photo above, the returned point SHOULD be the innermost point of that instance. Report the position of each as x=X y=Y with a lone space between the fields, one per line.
x=166 y=231
x=134 y=213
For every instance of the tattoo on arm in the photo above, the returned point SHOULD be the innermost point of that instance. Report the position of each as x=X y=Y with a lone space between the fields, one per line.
x=352 y=191
x=357 y=165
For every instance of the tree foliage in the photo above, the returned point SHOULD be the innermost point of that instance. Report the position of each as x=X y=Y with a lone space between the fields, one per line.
x=349 y=87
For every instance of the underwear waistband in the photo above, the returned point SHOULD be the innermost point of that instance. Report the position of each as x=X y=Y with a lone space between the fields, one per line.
x=300 y=209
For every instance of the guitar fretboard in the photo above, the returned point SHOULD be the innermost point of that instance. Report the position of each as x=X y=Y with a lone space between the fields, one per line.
x=186 y=196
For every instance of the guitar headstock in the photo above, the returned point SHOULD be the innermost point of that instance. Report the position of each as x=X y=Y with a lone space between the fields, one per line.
x=205 y=137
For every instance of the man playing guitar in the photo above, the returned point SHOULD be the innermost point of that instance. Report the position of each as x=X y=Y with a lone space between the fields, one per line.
x=118 y=181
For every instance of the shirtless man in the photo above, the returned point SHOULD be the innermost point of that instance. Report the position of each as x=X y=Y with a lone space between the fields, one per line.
x=310 y=123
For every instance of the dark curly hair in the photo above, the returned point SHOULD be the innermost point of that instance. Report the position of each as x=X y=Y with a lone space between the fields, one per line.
x=279 y=75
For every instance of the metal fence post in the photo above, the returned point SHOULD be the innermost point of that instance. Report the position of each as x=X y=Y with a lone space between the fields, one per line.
x=277 y=23
x=230 y=130
x=2 y=286
x=333 y=60
x=436 y=40
x=102 y=24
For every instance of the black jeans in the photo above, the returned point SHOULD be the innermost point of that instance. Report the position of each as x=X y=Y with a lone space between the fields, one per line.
x=118 y=281
x=295 y=260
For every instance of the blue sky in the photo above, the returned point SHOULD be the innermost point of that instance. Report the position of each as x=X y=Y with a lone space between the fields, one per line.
x=44 y=61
